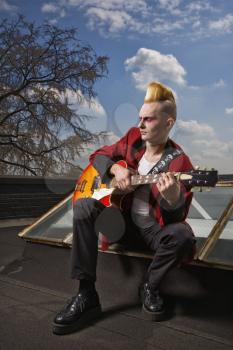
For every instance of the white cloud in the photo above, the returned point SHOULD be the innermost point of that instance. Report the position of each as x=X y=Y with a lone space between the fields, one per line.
x=50 y=8
x=134 y=6
x=229 y=110
x=222 y=25
x=220 y=83
x=163 y=26
x=193 y=128
x=83 y=158
x=53 y=21
x=199 y=6
x=54 y=9
x=201 y=143
x=115 y=20
x=94 y=109
x=152 y=65
x=196 y=24
x=5 y=6
x=216 y=85
x=162 y=17
x=62 y=13
x=171 y=6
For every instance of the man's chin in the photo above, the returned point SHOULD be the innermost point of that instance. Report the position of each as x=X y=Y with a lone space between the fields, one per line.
x=144 y=136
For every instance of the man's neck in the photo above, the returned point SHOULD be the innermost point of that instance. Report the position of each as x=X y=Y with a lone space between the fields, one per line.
x=155 y=149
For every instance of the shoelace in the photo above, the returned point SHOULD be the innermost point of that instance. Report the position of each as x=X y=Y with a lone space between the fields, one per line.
x=153 y=297
x=75 y=302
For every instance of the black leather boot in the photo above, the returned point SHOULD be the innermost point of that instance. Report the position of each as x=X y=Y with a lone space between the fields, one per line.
x=152 y=303
x=80 y=310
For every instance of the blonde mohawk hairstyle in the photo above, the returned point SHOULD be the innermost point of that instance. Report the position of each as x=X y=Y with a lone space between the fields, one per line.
x=157 y=92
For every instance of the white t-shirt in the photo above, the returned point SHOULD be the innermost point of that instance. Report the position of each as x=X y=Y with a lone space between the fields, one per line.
x=140 y=205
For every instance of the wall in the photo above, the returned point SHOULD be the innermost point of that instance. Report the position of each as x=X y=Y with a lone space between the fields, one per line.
x=30 y=197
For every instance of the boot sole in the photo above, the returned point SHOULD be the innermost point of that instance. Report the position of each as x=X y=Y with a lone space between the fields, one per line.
x=83 y=321
x=153 y=316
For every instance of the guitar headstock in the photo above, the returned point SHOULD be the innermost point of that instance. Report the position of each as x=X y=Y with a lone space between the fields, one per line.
x=200 y=178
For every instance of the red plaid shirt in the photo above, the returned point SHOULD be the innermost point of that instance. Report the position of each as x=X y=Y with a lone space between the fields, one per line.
x=131 y=149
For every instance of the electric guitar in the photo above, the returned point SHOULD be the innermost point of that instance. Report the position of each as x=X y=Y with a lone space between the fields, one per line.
x=89 y=184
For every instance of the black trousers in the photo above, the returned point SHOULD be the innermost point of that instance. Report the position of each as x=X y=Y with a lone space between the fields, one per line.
x=171 y=244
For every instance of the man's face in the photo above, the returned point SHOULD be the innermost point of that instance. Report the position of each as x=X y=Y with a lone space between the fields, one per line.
x=154 y=125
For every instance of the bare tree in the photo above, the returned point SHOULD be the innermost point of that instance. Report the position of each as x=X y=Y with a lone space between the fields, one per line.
x=40 y=131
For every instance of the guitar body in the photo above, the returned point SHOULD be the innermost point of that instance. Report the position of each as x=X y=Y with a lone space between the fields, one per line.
x=89 y=185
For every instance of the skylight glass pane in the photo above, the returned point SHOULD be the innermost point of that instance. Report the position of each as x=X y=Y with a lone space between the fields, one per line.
x=206 y=209
x=222 y=252
x=55 y=226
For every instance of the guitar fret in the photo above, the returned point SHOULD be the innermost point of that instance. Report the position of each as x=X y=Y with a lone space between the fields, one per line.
x=144 y=179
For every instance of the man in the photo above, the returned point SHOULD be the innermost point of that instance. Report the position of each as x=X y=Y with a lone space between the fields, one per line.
x=158 y=211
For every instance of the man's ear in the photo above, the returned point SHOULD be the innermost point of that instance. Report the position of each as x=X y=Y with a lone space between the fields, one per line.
x=170 y=122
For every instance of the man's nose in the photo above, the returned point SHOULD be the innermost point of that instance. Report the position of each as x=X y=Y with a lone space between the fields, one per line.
x=141 y=124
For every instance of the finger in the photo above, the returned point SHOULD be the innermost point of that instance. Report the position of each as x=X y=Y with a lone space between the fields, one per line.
x=171 y=176
x=122 y=187
x=170 y=179
x=124 y=184
x=164 y=180
x=161 y=185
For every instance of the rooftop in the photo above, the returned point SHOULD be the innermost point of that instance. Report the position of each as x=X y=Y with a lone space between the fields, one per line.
x=35 y=284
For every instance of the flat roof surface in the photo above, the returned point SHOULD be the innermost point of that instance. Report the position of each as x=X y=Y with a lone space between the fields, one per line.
x=35 y=284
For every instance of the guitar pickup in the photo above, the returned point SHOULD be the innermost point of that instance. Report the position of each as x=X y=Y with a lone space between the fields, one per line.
x=96 y=183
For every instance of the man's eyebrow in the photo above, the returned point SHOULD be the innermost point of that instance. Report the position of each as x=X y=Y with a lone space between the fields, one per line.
x=147 y=116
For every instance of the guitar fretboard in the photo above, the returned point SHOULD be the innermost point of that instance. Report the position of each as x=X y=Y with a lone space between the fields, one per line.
x=146 y=179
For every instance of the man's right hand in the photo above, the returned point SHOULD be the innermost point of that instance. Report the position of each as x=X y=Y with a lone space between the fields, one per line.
x=122 y=176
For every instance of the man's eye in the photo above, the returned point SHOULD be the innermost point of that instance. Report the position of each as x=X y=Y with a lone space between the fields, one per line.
x=146 y=119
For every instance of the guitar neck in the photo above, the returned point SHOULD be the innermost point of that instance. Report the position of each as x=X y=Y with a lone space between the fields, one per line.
x=154 y=178
x=198 y=178
x=149 y=179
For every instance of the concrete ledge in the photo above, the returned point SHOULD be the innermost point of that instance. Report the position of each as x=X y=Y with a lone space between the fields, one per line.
x=16 y=222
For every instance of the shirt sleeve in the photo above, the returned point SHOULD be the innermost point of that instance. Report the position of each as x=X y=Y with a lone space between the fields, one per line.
x=103 y=158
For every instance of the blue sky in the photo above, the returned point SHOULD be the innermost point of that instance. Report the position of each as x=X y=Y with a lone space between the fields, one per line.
x=185 y=44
